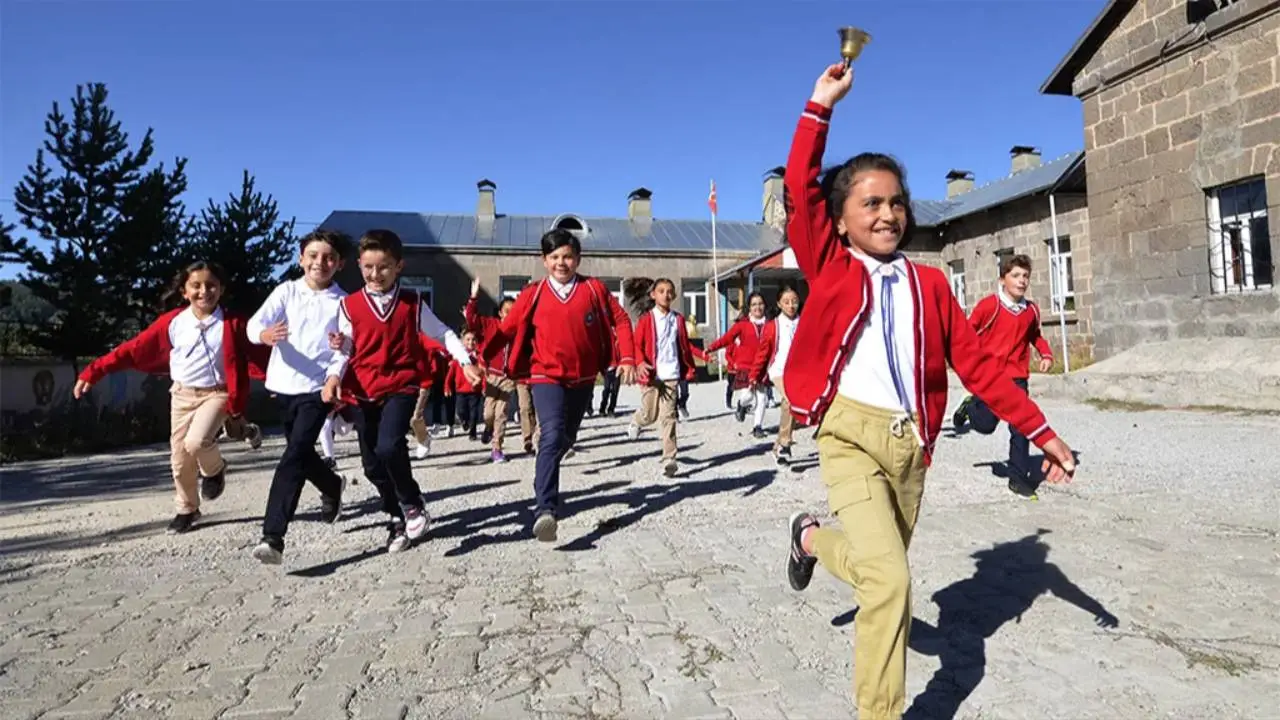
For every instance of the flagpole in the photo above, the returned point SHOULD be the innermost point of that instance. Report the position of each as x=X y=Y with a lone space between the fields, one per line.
x=715 y=277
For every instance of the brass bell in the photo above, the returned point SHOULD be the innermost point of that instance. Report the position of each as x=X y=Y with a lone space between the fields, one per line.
x=852 y=41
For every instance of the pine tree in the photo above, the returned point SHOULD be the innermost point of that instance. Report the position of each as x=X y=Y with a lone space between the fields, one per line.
x=244 y=234
x=112 y=227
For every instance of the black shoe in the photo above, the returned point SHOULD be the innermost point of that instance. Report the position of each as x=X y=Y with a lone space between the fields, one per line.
x=473 y=437
x=800 y=564
x=331 y=463
x=961 y=415
x=397 y=539
x=759 y=433
x=782 y=455
x=330 y=508
x=528 y=448
x=211 y=487
x=740 y=413
x=1023 y=487
x=183 y=523
x=486 y=437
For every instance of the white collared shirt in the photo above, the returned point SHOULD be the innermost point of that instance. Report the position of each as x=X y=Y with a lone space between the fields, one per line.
x=428 y=324
x=866 y=377
x=563 y=290
x=668 y=356
x=299 y=363
x=1013 y=306
x=785 y=328
x=195 y=358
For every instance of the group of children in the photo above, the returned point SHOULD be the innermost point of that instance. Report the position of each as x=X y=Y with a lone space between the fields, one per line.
x=878 y=334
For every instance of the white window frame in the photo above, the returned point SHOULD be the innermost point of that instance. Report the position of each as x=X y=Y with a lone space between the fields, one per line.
x=424 y=284
x=955 y=269
x=694 y=299
x=1221 y=280
x=617 y=294
x=507 y=293
x=1062 y=283
x=1001 y=254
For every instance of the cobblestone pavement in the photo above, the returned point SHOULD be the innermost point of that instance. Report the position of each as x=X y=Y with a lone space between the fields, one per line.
x=665 y=598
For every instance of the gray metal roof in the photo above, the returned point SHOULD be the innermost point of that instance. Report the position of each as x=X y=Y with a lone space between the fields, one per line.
x=523 y=232
x=998 y=192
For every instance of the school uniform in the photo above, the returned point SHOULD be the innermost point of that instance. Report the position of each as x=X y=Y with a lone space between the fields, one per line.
x=1007 y=329
x=662 y=343
x=770 y=361
x=382 y=368
x=469 y=398
x=612 y=384
x=498 y=387
x=435 y=371
x=561 y=335
x=743 y=337
x=209 y=362
x=877 y=338
x=296 y=374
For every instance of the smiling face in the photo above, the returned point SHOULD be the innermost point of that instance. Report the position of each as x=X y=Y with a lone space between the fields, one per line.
x=1015 y=282
x=203 y=290
x=319 y=262
x=562 y=263
x=874 y=216
x=789 y=303
x=756 y=309
x=379 y=270
x=469 y=341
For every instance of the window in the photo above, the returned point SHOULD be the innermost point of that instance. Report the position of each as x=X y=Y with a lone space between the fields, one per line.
x=695 y=299
x=509 y=286
x=1200 y=10
x=1062 y=282
x=614 y=286
x=1001 y=255
x=1239 y=237
x=425 y=286
x=956 y=268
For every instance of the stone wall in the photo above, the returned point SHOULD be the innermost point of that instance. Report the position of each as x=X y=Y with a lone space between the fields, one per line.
x=1172 y=112
x=1024 y=227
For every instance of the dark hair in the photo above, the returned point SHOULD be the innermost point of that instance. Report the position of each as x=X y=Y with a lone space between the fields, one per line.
x=837 y=182
x=1013 y=261
x=468 y=331
x=505 y=301
x=553 y=240
x=382 y=241
x=340 y=242
x=638 y=293
x=746 y=307
x=173 y=296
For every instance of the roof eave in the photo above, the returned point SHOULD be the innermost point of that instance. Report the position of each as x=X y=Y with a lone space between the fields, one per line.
x=1060 y=80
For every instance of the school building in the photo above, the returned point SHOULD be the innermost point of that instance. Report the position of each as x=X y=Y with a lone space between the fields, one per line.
x=444 y=252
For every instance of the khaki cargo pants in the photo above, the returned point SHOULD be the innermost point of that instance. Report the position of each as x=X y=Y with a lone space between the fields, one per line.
x=496 y=392
x=873 y=466
x=195 y=417
x=658 y=404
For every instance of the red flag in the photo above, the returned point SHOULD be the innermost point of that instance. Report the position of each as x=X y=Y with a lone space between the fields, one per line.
x=711 y=199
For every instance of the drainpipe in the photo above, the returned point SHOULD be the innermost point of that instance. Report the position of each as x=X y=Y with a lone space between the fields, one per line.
x=1062 y=277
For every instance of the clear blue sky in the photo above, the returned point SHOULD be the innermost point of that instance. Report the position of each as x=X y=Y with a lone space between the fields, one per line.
x=566 y=106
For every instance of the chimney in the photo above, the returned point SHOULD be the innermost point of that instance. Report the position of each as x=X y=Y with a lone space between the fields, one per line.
x=774 y=215
x=959 y=181
x=486 y=209
x=1024 y=157
x=640 y=206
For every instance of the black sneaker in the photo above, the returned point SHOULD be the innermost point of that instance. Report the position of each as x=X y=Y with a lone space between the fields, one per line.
x=782 y=455
x=397 y=540
x=486 y=437
x=330 y=509
x=961 y=415
x=211 y=486
x=331 y=463
x=183 y=523
x=1023 y=487
x=799 y=563
x=528 y=447
x=544 y=527
x=253 y=433
x=740 y=413
x=269 y=551
x=759 y=433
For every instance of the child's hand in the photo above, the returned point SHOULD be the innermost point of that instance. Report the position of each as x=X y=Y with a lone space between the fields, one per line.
x=475 y=287
x=832 y=85
x=337 y=340
x=275 y=334
x=81 y=388
x=473 y=373
x=626 y=374
x=1045 y=364
x=331 y=392
x=1059 y=463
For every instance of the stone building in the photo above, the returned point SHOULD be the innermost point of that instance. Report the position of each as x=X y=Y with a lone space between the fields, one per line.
x=445 y=251
x=1182 y=133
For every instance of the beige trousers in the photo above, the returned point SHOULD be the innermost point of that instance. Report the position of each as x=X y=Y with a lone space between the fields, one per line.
x=528 y=418
x=496 y=391
x=658 y=404
x=195 y=417
x=873 y=467
x=786 y=423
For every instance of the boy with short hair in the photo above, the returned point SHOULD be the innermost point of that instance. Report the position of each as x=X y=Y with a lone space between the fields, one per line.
x=1007 y=324
x=561 y=335
x=381 y=365
x=297 y=321
x=498 y=387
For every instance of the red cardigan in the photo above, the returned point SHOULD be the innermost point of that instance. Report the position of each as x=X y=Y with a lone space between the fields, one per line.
x=148 y=352
x=516 y=330
x=742 y=335
x=767 y=351
x=1007 y=335
x=840 y=295
x=647 y=344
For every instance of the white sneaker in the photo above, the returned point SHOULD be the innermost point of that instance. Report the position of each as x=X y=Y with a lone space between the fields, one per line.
x=415 y=523
x=423 y=450
x=633 y=431
x=267 y=555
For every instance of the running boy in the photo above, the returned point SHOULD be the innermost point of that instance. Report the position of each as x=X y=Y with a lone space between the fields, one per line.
x=1007 y=324
x=298 y=321
x=468 y=396
x=878 y=333
x=381 y=364
x=662 y=345
x=561 y=331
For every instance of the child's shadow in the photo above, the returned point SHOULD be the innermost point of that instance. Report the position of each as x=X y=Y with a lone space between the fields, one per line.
x=1008 y=579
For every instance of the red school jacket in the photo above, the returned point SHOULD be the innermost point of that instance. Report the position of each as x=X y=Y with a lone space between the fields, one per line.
x=840 y=295
x=458 y=382
x=148 y=352
x=1007 y=335
x=745 y=340
x=485 y=327
x=646 y=335
x=767 y=351
x=516 y=330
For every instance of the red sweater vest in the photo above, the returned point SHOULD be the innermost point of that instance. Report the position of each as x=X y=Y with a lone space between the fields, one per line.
x=386 y=353
x=566 y=339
